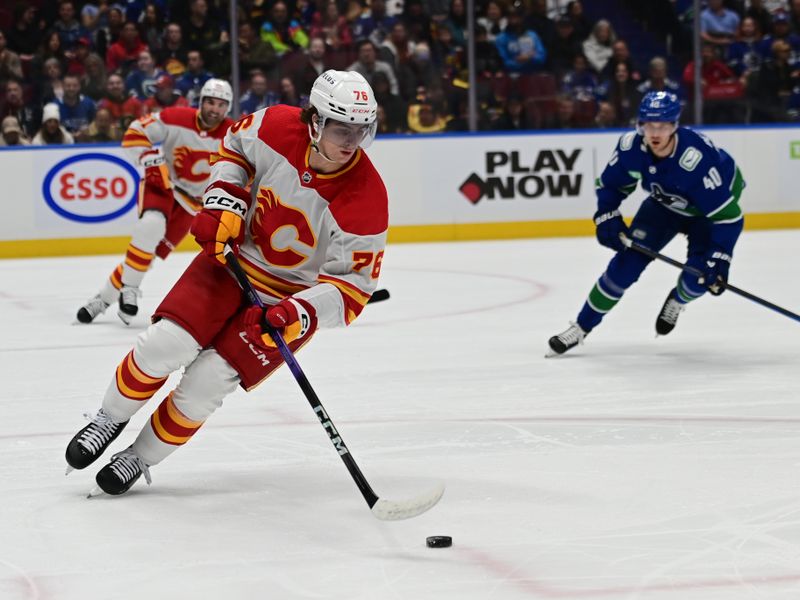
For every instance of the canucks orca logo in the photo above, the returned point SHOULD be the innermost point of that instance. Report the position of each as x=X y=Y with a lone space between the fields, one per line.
x=672 y=201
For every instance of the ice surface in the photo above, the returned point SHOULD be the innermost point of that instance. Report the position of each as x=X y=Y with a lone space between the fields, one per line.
x=631 y=468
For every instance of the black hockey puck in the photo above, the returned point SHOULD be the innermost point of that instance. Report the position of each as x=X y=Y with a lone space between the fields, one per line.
x=439 y=541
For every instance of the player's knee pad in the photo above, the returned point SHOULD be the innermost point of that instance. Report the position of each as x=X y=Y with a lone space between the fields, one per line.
x=204 y=385
x=164 y=347
x=626 y=267
x=149 y=230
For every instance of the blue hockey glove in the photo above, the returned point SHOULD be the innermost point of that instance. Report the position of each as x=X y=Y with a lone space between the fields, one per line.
x=609 y=227
x=716 y=266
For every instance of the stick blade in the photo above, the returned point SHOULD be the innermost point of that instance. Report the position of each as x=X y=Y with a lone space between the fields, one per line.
x=388 y=510
x=379 y=296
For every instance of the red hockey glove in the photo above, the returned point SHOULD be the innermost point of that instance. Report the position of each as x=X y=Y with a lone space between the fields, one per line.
x=291 y=316
x=222 y=219
x=156 y=173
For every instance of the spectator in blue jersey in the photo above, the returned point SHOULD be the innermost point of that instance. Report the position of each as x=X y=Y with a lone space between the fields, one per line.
x=141 y=81
x=373 y=24
x=580 y=83
x=67 y=26
x=781 y=30
x=521 y=49
x=258 y=95
x=75 y=109
x=744 y=57
x=694 y=189
x=718 y=25
x=191 y=82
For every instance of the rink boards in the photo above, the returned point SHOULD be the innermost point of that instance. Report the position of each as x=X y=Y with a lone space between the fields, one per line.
x=82 y=199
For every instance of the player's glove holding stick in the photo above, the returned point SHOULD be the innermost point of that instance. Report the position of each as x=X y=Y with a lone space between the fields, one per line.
x=222 y=219
x=292 y=317
x=609 y=228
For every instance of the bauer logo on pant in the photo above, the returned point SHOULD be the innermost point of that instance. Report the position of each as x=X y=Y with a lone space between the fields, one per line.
x=91 y=187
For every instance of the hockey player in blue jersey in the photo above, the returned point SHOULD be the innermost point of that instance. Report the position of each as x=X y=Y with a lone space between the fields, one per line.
x=694 y=189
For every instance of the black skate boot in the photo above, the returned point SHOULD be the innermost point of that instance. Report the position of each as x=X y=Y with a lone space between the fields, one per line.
x=95 y=306
x=91 y=441
x=121 y=473
x=668 y=317
x=566 y=339
x=128 y=303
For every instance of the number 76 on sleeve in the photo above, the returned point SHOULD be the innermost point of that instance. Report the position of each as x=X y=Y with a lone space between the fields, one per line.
x=362 y=260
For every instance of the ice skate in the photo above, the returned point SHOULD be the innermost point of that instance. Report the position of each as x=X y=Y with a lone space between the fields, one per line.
x=91 y=441
x=128 y=303
x=121 y=473
x=668 y=317
x=95 y=306
x=565 y=340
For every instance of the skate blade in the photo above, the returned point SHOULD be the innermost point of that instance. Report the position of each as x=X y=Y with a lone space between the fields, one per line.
x=69 y=470
x=95 y=491
x=551 y=354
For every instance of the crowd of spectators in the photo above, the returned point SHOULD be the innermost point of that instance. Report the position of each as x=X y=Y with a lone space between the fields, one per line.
x=81 y=70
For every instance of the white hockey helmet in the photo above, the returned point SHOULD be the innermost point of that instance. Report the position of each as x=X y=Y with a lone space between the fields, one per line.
x=217 y=88
x=344 y=96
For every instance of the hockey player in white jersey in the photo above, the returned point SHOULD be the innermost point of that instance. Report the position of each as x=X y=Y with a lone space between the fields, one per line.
x=310 y=232
x=175 y=148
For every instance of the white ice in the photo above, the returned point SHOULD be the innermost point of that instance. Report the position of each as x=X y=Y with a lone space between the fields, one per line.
x=631 y=468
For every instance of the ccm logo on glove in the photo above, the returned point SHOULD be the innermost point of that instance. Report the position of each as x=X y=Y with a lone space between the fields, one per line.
x=219 y=202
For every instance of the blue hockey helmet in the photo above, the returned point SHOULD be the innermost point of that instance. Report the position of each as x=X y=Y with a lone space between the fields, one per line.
x=659 y=106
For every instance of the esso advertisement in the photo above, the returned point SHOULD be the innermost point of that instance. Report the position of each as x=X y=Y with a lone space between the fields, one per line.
x=91 y=187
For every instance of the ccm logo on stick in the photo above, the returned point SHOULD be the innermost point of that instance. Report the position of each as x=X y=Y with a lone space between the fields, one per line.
x=91 y=187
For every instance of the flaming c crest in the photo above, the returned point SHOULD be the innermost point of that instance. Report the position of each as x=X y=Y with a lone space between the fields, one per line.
x=190 y=164
x=270 y=216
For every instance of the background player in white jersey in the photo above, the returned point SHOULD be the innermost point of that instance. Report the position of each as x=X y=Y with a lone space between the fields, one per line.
x=310 y=233
x=175 y=175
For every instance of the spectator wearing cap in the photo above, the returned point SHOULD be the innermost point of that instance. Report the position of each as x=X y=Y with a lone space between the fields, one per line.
x=76 y=60
x=141 y=81
x=75 y=109
x=521 y=49
x=191 y=82
x=28 y=114
x=565 y=47
x=166 y=95
x=123 y=53
x=123 y=108
x=51 y=131
x=11 y=133
x=718 y=25
x=781 y=30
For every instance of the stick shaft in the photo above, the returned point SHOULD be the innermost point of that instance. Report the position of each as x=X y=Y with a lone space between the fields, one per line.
x=726 y=285
x=288 y=356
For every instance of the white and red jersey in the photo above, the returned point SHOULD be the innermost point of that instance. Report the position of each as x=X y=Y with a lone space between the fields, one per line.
x=316 y=236
x=187 y=148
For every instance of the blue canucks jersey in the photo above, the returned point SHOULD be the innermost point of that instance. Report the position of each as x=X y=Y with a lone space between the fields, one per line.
x=696 y=180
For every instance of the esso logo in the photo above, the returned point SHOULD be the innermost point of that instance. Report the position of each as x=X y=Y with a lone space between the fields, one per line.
x=91 y=187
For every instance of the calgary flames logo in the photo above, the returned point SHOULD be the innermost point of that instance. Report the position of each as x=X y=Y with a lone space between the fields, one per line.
x=190 y=164
x=278 y=230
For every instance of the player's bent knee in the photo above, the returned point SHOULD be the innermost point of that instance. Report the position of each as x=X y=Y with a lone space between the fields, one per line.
x=204 y=385
x=626 y=267
x=150 y=229
x=164 y=347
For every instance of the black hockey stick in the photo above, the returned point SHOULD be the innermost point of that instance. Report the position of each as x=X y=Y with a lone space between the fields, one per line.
x=385 y=510
x=697 y=273
x=379 y=296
